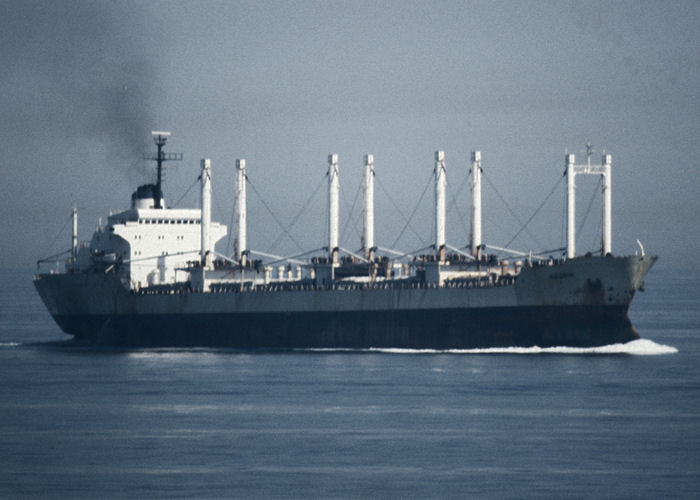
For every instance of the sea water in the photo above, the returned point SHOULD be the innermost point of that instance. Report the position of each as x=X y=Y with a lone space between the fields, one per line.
x=610 y=422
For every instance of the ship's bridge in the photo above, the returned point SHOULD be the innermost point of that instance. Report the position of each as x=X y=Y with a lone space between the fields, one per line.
x=154 y=246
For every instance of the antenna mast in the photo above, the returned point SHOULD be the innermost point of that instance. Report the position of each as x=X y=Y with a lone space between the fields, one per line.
x=160 y=138
x=589 y=152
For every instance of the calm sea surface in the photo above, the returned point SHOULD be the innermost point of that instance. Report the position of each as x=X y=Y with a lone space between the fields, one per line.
x=207 y=423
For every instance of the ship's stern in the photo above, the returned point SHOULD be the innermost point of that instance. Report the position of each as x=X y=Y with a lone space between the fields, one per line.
x=80 y=303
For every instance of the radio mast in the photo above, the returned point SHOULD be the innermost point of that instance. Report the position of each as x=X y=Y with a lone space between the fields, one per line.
x=160 y=138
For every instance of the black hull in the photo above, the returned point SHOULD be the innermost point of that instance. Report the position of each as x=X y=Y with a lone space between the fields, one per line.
x=545 y=326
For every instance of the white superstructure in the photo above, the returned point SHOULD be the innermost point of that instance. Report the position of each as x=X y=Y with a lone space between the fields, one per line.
x=147 y=245
x=151 y=246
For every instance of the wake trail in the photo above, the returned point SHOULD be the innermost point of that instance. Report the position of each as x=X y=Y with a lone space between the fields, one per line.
x=640 y=347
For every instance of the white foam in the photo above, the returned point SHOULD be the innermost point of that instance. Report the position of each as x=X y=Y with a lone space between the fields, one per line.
x=175 y=354
x=9 y=344
x=640 y=347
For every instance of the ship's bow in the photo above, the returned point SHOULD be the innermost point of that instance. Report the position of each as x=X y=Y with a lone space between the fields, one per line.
x=584 y=301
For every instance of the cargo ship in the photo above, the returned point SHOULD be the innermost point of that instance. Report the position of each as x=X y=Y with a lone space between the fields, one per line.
x=150 y=276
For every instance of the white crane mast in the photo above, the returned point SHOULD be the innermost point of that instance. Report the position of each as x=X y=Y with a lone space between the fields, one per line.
x=239 y=241
x=368 y=208
x=604 y=170
x=206 y=212
x=607 y=205
x=74 y=241
x=440 y=188
x=475 y=211
x=333 y=207
x=570 y=207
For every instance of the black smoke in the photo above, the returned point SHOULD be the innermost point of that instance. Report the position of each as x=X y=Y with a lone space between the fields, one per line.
x=75 y=71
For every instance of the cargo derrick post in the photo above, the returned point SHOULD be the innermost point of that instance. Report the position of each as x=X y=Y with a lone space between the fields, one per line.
x=239 y=242
x=440 y=188
x=475 y=209
x=606 y=237
x=333 y=209
x=205 y=253
x=570 y=207
x=603 y=170
x=368 y=248
x=74 y=239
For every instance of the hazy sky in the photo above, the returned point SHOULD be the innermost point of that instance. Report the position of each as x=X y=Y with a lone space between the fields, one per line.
x=283 y=84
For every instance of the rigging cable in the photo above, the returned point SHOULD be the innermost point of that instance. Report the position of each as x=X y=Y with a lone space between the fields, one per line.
x=230 y=225
x=556 y=185
x=350 y=213
x=381 y=185
x=563 y=224
x=408 y=222
x=70 y=218
x=273 y=214
x=186 y=192
x=453 y=205
x=512 y=212
x=299 y=214
x=579 y=229
x=459 y=191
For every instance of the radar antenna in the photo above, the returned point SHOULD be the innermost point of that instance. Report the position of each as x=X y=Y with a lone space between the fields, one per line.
x=160 y=138
x=589 y=152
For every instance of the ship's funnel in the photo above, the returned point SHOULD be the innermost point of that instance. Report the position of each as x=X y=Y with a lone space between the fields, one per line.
x=144 y=197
